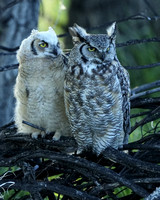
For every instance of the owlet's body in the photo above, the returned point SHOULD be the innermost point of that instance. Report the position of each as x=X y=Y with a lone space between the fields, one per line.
x=97 y=92
x=39 y=86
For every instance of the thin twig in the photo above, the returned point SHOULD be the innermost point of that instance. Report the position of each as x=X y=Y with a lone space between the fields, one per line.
x=145 y=87
x=138 y=16
x=7 y=54
x=33 y=126
x=9 y=49
x=9 y=67
x=152 y=147
x=137 y=41
x=140 y=94
x=153 y=115
x=148 y=103
x=139 y=114
x=143 y=66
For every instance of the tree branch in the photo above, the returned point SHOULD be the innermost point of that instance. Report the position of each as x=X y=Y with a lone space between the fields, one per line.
x=9 y=49
x=143 y=66
x=129 y=161
x=145 y=87
x=155 y=114
x=140 y=94
x=137 y=41
x=52 y=186
x=9 y=67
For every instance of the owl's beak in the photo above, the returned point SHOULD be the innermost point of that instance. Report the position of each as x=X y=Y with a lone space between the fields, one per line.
x=55 y=52
x=102 y=56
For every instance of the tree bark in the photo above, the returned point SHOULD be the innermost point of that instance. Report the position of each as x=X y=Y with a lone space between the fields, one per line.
x=16 y=22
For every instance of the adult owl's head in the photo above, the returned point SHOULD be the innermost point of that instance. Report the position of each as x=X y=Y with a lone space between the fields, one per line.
x=43 y=44
x=96 y=48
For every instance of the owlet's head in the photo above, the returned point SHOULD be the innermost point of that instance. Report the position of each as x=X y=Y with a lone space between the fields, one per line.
x=95 y=48
x=39 y=45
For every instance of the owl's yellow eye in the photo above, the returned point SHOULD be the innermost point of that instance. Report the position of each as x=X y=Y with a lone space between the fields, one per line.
x=91 y=49
x=108 y=49
x=43 y=44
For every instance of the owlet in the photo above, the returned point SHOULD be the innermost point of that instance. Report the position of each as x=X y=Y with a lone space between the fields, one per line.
x=39 y=88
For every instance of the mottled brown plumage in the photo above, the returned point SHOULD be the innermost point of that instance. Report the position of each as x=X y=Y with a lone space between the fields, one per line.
x=97 y=91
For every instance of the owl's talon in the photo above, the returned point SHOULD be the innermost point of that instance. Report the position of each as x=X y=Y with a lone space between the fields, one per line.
x=57 y=136
x=79 y=151
x=35 y=135
x=43 y=134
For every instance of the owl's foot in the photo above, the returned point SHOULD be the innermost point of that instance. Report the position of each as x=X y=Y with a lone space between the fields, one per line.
x=79 y=151
x=57 y=136
x=36 y=134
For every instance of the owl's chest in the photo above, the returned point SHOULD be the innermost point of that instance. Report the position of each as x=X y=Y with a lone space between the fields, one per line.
x=94 y=91
x=90 y=77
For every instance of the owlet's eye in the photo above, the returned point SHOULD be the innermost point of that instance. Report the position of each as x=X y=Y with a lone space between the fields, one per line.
x=91 y=49
x=108 y=49
x=43 y=44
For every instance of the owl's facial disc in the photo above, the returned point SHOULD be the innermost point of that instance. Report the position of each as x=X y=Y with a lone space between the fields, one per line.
x=44 y=49
x=54 y=50
x=90 y=53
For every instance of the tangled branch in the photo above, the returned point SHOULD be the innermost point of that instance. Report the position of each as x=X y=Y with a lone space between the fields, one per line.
x=86 y=168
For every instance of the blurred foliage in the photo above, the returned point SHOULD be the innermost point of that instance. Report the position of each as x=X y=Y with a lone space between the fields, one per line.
x=53 y=13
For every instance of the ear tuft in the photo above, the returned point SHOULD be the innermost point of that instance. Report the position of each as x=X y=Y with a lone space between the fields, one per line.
x=33 y=32
x=78 y=33
x=50 y=28
x=111 y=30
x=74 y=35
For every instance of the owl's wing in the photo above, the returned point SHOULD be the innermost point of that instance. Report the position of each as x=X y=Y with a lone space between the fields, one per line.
x=123 y=76
x=66 y=98
x=21 y=91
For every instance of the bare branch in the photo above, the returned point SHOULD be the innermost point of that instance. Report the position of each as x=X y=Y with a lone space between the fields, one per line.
x=7 y=54
x=145 y=87
x=129 y=161
x=9 y=49
x=140 y=94
x=141 y=147
x=137 y=41
x=153 y=115
x=52 y=186
x=139 y=114
x=9 y=67
x=33 y=125
x=149 y=103
x=143 y=66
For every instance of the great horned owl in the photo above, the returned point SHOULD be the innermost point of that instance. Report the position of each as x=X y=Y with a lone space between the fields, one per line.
x=39 y=88
x=97 y=91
